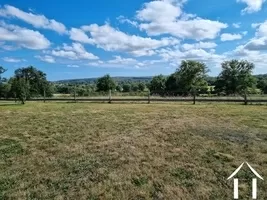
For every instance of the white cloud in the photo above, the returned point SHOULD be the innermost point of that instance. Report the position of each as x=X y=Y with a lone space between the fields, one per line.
x=110 y=39
x=12 y=60
x=200 y=45
x=38 y=21
x=262 y=29
x=162 y=17
x=97 y=63
x=236 y=25
x=255 y=50
x=79 y=35
x=143 y=52
x=73 y=66
x=255 y=56
x=255 y=25
x=124 y=20
x=46 y=58
x=174 y=56
x=230 y=37
x=7 y=47
x=23 y=37
x=252 y=5
x=122 y=61
x=259 y=42
x=159 y=11
x=74 y=52
x=126 y=63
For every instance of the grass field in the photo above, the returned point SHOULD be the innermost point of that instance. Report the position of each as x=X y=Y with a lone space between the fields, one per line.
x=130 y=151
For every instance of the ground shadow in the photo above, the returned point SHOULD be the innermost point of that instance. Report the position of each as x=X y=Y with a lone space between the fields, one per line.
x=11 y=104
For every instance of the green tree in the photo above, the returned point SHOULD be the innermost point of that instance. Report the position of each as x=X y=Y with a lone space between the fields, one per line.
x=235 y=78
x=141 y=86
x=5 y=90
x=36 y=80
x=21 y=89
x=262 y=84
x=119 y=88
x=126 y=87
x=190 y=77
x=134 y=87
x=158 y=84
x=105 y=84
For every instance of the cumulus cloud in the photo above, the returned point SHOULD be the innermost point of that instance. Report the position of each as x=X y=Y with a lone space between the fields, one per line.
x=262 y=29
x=74 y=52
x=252 y=5
x=23 y=37
x=200 y=45
x=79 y=35
x=38 y=21
x=165 y=17
x=111 y=39
x=46 y=58
x=254 y=50
x=259 y=42
x=230 y=37
x=174 y=56
x=255 y=56
x=255 y=25
x=123 y=61
x=13 y=60
x=159 y=11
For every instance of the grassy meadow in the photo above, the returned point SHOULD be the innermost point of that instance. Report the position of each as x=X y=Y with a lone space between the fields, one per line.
x=130 y=151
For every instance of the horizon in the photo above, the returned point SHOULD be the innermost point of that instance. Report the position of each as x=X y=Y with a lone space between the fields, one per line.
x=130 y=39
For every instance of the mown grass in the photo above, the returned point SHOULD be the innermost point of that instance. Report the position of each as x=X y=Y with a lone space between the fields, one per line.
x=130 y=151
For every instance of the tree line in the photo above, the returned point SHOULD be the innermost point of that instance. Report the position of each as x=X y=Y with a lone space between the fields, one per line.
x=25 y=84
x=190 y=78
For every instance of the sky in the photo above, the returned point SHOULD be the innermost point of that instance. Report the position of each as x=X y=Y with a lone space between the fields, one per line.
x=82 y=39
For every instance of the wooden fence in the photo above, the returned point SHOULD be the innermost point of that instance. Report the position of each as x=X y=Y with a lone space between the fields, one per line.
x=148 y=99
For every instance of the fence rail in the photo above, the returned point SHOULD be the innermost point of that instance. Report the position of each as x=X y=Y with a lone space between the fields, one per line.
x=149 y=99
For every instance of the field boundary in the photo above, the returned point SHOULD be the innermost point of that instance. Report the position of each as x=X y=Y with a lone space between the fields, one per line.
x=148 y=100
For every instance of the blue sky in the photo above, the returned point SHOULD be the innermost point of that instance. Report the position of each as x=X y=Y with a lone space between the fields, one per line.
x=79 y=39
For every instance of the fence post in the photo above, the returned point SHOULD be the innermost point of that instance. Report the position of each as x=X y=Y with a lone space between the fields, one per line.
x=148 y=97
x=109 y=96
x=194 y=97
x=246 y=99
x=75 y=93
x=44 y=95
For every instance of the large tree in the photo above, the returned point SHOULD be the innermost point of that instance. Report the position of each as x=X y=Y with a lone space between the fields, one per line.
x=188 y=78
x=105 y=83
x=30 y=82
x=236 y=77
x=20 y=88
x=38 y=84
x=158 y=84
x=262 y=84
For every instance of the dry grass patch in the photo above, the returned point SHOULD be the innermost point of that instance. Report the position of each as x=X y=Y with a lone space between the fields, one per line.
x=129 y=151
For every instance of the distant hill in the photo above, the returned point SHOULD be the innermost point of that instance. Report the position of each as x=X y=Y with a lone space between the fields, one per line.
x=129 y=79
x=117 y=79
